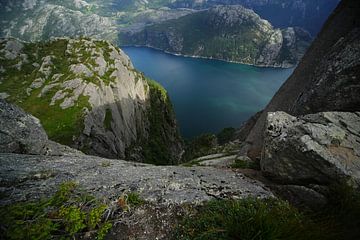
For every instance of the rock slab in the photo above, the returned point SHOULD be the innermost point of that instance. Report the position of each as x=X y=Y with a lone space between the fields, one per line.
x=322 y=148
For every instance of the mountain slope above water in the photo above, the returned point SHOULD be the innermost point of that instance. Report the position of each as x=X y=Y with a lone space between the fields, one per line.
x=231 y=33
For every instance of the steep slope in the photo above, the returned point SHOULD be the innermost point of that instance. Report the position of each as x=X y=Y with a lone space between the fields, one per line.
x=231 y=33
x=327 y=79
x=87 y=95
x=34 y=20
x=307 y=14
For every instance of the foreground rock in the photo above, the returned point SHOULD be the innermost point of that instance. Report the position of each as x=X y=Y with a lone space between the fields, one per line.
x=25 y=177
x=166 y=189
x=322 y=148
x=23 y=133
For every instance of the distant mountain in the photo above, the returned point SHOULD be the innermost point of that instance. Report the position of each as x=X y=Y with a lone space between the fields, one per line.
x=42 y=19
x=34 y=20
x=307 y=14
x=231 y=33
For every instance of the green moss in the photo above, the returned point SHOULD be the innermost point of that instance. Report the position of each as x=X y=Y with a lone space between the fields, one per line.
x=157 y=148
x=250 y=219
x=245 y=164
x=200 y=146
x=68 y=213
x=134 y=199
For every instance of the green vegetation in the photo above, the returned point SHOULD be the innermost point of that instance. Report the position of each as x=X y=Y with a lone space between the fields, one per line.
x=68 y=214
x=226 y=135
x=200 y=146
x=157 y=148
x=134 y=199
x=267 y=219
x=250 y=219
x=242 y=164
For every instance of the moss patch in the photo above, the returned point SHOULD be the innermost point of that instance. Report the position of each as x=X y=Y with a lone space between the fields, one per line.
x=250 y=219
x=69 y=213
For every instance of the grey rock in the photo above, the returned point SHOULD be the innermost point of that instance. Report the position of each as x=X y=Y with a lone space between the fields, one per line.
x=301 y=196
x=327 y=78
x=4 y=95
x=22 y=133
x=108 y=179
x=322 y=148
x=224 y=161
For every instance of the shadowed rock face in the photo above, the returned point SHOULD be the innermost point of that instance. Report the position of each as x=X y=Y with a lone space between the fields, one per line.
x=322 y=148
x=327 y=78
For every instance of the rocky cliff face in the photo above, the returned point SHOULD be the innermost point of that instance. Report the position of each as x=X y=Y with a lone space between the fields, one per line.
x=41 y=20
x=327 y=78
x=307 y=14
x=231 y=33
x=87 y=94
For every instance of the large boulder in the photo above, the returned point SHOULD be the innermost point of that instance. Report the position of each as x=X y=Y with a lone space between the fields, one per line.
x=22 y=133
x=322 y=148
x=326 y=79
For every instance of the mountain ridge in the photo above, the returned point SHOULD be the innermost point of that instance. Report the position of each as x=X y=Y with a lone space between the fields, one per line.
x=230 y=33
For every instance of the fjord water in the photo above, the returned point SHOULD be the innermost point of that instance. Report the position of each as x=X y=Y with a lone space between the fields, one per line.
x=209 y=95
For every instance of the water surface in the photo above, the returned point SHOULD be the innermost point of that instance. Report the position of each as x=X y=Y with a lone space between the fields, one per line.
x=209 y=95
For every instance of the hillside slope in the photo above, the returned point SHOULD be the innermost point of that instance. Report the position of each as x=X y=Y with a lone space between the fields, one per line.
x=88 y=95
x=307 y=14
x=231 y=33
x=327 y=79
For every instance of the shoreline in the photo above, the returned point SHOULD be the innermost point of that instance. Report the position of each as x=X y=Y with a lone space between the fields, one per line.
x=206 y=58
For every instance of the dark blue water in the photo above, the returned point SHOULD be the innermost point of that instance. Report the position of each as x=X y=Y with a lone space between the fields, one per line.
x=209 y=95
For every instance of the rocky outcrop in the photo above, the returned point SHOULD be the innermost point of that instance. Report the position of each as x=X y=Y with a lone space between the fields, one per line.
x=231 y=33
x=322 y=148
x=22 y=133
x=107 y=178
x=88 y=95
x=327 y=78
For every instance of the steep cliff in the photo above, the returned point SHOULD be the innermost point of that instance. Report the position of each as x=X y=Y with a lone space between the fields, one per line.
x=231 y=33
x=87 y=95
x=327 y=78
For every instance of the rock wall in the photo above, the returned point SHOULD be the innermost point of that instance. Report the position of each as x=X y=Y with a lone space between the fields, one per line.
x=327 y=78
x=88 y=95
